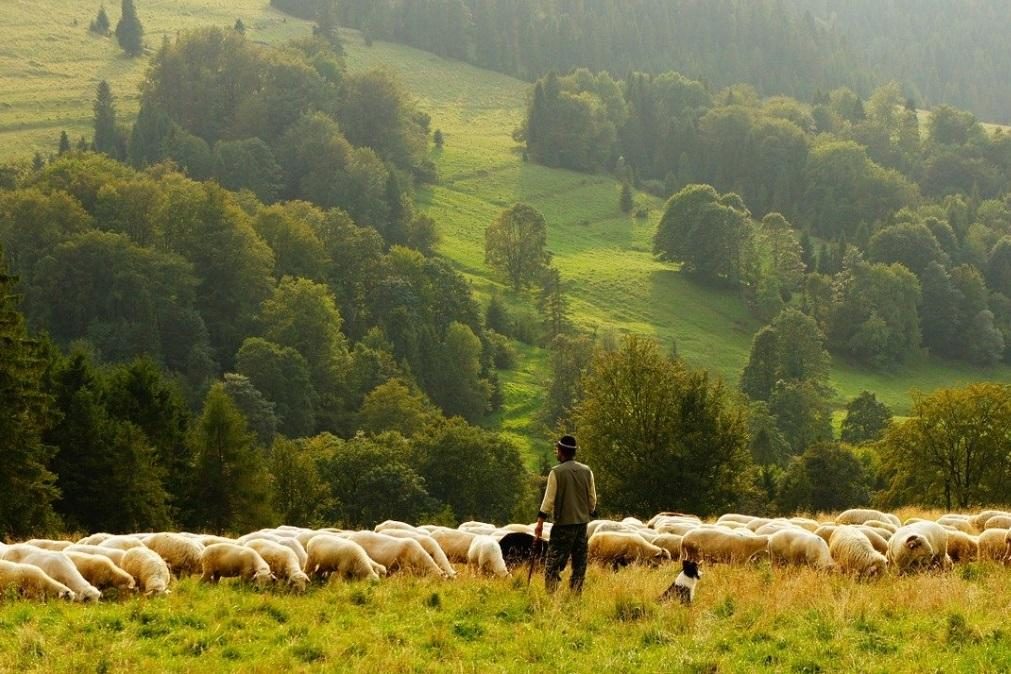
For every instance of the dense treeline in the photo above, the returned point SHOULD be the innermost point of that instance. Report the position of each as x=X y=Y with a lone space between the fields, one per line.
x=768 y=44
x=889 y=235
x=945 y=52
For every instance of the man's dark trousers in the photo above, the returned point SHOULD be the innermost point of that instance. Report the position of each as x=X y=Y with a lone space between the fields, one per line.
x=566 y=540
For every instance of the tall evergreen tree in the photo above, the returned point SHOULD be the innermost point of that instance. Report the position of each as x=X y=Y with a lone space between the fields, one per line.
x=625 y=201
x=106 y=140
x=64 y=143
x=230 y=481
x=26 y=485
x=129 y=31
x=100 y=24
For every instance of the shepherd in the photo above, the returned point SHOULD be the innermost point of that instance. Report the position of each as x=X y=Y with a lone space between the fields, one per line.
x=570 y=500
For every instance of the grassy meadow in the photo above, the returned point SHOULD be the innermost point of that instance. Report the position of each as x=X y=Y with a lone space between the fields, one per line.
x=50 y=65
x=745 y=619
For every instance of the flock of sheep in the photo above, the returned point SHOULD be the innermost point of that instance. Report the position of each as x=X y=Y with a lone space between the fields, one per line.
x=862 y=542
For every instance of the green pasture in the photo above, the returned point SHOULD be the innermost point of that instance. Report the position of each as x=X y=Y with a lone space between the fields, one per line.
x=745 y=619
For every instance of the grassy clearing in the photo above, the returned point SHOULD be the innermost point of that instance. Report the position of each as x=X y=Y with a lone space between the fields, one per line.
x=744 y=620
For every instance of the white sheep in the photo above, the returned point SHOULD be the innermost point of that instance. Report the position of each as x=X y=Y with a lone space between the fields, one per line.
x=922 y=544
x=878 y=524
x=979 y=520
x=962 y=547
x=231 y=560
x=430 y=545
x=735 y=517
x=122 y=542
x=94 y=539
x=485 y=556
x=114 y=555
x=876 y=537
x=396 y=553
x=618 y=548
x=861 y=515
x=329 y=554
x=148 y=569
x=282 y=561
x=992 y=544
x=383 y=527
x=31 y=581
x=101 y=571
x=799 y=546
x=998 y=522
x=49 y=544
x=60 y=568
x=454 y=543
x=853 y=552
x=722 y=545
x=825 y=531
x=671 y=543
x=477 y=527
x=183 y=555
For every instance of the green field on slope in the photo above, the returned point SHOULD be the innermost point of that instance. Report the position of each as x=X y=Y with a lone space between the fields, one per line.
x=50 y=65
x=604 y=256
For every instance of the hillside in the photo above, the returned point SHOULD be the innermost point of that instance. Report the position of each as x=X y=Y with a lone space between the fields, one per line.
x=604 y=256
x=50 y=66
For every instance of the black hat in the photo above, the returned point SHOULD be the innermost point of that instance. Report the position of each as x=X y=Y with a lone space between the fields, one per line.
x=567 y=443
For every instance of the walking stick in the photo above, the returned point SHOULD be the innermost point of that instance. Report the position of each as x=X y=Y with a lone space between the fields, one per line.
x=533 y=558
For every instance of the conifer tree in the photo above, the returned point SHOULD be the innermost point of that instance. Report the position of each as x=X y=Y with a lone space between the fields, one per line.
x=239 y=26
x=64 y=143
x=625 y=201
x=105 y=139
x=38 y=162
x=100 y=24
x=129 y=31
x=26 y=485
x=438 y=138
x=230 y=480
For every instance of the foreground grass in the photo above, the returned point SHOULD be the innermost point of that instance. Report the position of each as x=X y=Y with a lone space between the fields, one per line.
x=744 y=620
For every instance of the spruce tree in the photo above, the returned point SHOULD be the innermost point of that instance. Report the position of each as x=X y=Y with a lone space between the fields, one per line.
x=26 y=485
x=38 y=162
x=64 y=143
x=105 y=139
x=82 y=144
x=230 y=480
x=438 y=138
x=625 y=201
x=100 y=24
x=326 y=25
x=239 y=27
x=129 y=31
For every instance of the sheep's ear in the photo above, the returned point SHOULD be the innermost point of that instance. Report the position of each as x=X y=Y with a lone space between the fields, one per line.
x=914 y=542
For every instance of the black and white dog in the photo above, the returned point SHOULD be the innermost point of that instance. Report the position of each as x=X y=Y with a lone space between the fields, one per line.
x=683 y=587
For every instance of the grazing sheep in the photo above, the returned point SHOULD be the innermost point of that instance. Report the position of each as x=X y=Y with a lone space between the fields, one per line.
x=861 y=515
x=396 y=553
x=101 y=571
x=289 y=542
x=31 y=582
x=957 y=522
x=722 y=545
x=617 y=548
x=114 y=555
x=734 y=517
x=18 y=552
x=878 y=524
x=49 y=544
x=680 y=528
x=962 y=547
x=454 y=543
x=383 y=527
x=329 y=554
x=94 y=539
x=182 y=554
x=922 y=544
x=998 y=522
x=979 y=520
x=799 y=546
x=876 y=537
x=230 y=560
x=992 y=544
x=660 y=518
x=599 y=526
x=772 y=527
x=825 y=531
x=60 y=568
x=485 y=556
x=211 y=539
x=757 y=523
x=517 y=528
x=122 y=542
x=477 y=528
x=148 y=569
x=805 y=523
x=671 y=543
x=853 y=553
x=430 y=545
x=283 y=562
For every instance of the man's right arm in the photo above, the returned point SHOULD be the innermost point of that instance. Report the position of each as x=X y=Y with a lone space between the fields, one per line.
x=592 y=496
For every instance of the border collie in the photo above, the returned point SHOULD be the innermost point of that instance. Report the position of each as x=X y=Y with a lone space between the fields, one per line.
x=684 y=585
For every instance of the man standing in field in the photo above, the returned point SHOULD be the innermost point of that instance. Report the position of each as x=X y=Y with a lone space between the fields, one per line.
x=571 y=501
